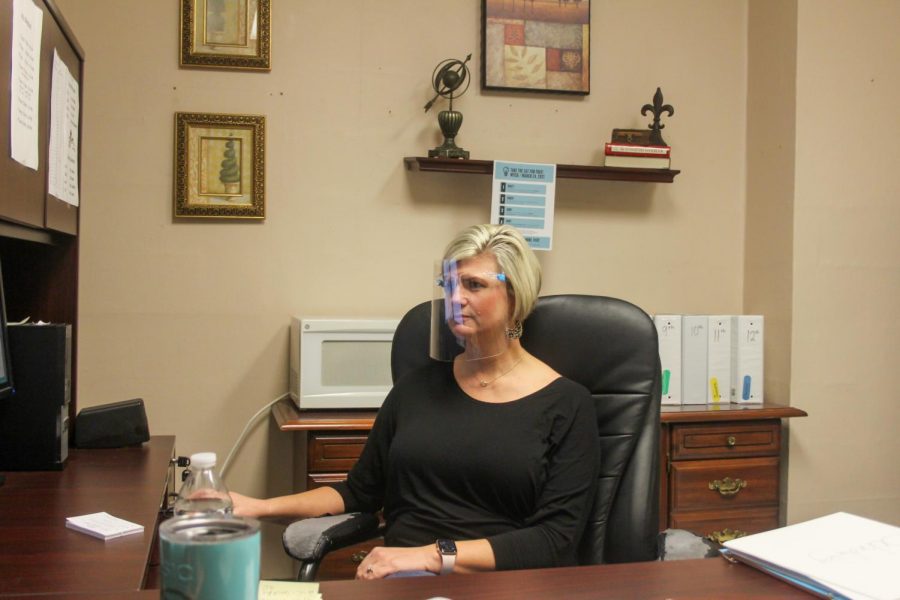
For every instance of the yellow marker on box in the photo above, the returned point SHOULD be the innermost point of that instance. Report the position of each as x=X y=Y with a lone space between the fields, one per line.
x=714 y=388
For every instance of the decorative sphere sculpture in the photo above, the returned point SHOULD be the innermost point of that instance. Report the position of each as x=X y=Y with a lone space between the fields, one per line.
x=450 y=80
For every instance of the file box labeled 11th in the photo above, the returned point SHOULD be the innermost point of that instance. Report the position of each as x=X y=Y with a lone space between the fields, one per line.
x=718 y=360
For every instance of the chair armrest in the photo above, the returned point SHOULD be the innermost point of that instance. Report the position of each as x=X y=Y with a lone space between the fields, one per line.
x=311 y=539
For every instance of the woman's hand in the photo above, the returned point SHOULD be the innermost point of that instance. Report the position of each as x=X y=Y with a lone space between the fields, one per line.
x=383 y=561
x=245 y=506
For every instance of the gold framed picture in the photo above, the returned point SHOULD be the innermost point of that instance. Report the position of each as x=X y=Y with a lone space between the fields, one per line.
x=226 y=34
x=220 y=166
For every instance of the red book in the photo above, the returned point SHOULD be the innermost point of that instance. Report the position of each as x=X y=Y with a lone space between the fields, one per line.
x=616 y=149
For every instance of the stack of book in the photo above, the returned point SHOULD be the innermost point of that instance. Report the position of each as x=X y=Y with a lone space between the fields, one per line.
x=637 y=156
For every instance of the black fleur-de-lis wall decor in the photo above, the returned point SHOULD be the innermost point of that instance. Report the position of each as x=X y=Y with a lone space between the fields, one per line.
x=657 y=108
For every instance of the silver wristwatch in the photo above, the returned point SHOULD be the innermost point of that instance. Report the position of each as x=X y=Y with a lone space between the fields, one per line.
x=447 y=550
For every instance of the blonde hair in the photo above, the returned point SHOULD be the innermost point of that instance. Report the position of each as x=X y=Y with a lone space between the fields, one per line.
x=515 y=257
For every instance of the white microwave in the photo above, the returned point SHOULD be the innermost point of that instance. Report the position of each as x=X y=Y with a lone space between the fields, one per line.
x=340 y=363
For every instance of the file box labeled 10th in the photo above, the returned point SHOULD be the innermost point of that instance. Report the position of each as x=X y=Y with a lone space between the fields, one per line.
x=694 y=358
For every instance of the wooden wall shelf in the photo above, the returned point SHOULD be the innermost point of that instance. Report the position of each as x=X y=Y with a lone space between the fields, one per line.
x=486 y=167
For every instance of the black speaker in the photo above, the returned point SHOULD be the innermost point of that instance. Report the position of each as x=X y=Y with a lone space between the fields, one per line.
x=112 y=425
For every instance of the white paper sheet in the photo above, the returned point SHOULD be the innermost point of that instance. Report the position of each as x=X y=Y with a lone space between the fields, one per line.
x=25 y=87
x=62 y=175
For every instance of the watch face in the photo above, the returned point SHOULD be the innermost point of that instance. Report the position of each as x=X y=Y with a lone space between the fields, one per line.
x=446 y=546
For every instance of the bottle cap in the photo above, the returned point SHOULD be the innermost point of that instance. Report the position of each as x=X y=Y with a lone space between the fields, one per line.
x=203 y=460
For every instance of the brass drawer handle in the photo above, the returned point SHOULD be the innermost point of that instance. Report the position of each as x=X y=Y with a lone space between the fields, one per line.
x=726 y=534
x=728 y=486
x=731 y=441
x=358 y=557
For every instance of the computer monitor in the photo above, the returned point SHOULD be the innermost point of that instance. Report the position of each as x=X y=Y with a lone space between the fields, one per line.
x=6 y=382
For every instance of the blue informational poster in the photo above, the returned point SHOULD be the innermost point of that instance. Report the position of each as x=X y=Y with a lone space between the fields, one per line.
x=523 y=195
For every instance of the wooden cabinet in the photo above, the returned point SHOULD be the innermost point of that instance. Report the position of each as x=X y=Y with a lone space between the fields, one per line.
x=330 y=456
x=327 y=444
x=38 y=232
x=25 y=199
x=720 y=466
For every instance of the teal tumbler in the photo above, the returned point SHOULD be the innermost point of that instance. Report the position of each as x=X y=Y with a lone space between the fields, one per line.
x=209 y=558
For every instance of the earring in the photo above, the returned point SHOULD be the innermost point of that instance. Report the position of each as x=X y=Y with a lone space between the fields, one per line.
x=516 y=331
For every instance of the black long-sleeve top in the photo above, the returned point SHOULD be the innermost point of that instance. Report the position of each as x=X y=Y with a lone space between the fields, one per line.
x=444 y=465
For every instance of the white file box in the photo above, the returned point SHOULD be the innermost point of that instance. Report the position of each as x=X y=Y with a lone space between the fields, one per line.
x=718 y=359
x=693 y=358
x=747 y=359
x=668 y=328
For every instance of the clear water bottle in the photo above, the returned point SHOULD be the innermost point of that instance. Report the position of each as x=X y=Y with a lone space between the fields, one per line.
x=203 y=493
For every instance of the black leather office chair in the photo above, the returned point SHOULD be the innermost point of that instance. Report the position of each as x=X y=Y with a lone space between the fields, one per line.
x=609 y=346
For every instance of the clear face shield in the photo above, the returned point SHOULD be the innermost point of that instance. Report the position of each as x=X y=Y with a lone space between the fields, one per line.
x=469 y=310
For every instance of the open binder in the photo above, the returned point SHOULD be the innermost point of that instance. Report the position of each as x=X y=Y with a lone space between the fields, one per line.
x=837 y=556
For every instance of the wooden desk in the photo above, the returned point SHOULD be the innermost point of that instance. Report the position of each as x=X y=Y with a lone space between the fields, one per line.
x=721 y=468
x=39 y=555
x=709 y=578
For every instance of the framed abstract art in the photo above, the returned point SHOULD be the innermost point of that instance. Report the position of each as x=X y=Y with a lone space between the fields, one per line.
x=536 y=45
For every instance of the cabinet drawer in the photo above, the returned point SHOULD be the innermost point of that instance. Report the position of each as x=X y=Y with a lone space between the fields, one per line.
x=331 y=453
x=726 y=440
x=753 y=520
x=723 y=484
x=315 y=480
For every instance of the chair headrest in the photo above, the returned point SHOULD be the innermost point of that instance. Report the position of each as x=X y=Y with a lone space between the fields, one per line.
x=597 y=341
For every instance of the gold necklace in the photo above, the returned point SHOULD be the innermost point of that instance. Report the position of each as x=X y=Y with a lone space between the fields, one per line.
x=484 y=383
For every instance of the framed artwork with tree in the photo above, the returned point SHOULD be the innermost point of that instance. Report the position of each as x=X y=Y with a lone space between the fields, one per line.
x=219 y=166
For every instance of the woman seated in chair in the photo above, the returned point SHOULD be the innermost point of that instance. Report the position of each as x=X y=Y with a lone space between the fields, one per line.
x=494 y=453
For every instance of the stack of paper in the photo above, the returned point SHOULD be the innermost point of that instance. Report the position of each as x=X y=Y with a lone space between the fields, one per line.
x=103 y=525
x=838 y=556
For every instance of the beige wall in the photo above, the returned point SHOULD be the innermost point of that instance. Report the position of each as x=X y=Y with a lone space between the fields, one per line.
x=846 y=255
x=193 y=317
x=771 y=115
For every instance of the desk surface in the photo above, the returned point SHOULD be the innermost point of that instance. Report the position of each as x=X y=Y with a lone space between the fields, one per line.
x=38 y=554
x=708 y=578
